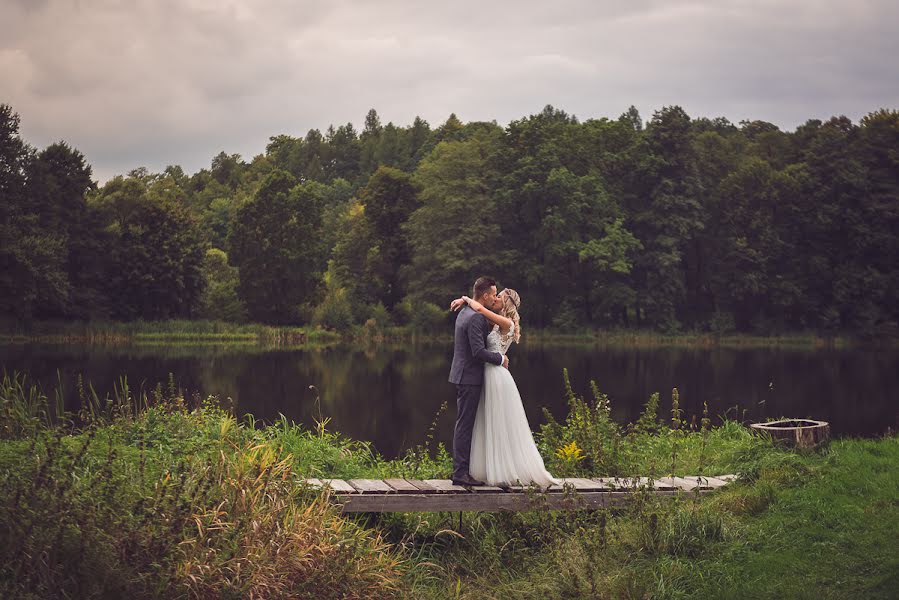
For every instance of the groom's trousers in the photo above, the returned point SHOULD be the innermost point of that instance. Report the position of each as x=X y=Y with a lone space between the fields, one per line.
x=467 y=399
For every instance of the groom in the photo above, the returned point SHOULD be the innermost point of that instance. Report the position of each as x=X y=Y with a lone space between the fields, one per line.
x=469 y=355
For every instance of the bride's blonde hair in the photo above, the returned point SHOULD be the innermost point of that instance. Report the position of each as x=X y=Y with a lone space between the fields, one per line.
x=511 y=302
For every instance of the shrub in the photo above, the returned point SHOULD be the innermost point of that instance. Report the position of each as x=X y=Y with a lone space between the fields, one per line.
x=335 y=311
x=427 y=317
x=219 y=300
x=379 y=314
x=590 y=428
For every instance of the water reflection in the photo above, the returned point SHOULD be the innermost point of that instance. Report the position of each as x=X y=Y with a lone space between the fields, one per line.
x=390 y=395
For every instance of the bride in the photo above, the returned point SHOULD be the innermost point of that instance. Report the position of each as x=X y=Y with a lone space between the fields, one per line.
x=503 y=451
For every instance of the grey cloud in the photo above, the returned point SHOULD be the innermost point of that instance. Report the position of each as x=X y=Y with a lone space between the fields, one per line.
x=146 y=82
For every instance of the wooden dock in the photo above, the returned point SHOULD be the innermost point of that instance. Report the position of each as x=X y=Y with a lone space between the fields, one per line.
x=440 y=495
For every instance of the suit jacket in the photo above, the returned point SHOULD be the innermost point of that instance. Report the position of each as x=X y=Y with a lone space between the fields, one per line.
x=470 y=352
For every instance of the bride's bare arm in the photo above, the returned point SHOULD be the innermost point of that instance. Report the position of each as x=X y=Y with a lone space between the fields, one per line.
x=504 y=323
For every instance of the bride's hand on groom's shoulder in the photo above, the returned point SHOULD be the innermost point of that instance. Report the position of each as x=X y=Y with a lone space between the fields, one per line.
x=457 y=304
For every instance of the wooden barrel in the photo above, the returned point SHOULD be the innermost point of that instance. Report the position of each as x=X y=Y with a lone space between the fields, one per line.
x=796 y=433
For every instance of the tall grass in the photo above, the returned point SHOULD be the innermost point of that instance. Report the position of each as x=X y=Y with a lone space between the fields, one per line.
x=648 y=447
x=176 y=502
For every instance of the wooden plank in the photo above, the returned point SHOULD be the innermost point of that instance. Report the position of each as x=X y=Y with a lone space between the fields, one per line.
x=487 y=489
x=339 y=485
x=625 y=483
x=663 y=485
x=609 y=483
x=582 y=484
x=423 y=487
x=370 y=486
x=672 y=482
x=704 y=482
x=713 y=482
x=687 y=484
x=460 y=502
x=446 y=486
x=402 y=486
x=530 y=488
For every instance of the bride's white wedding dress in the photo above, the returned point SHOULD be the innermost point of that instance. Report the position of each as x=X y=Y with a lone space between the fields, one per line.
x=503 y=451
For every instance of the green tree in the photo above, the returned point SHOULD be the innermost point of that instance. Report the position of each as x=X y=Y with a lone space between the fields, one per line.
x=344 y=153
x=32 y=255
x=720 y=148
x=842 y=284
x=417 y=139
x=751 y=250
x=356 y=261
x=219 y=300
x=454 y=232
x=337 y=198
x=389 y=200
x=612 y=257
x=572 y=237
x=369 y=142
x=227 y=169
x=553 y=202
x=217 y=218
x=58 y=180
x=276 y=246
x=372 y=250
x=879 y=139
x=154 y=265
x=667 y=218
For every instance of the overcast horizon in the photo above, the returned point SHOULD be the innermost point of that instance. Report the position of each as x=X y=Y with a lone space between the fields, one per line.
x=153 y=83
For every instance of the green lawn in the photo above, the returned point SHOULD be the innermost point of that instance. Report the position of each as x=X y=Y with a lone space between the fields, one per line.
x=835 y=535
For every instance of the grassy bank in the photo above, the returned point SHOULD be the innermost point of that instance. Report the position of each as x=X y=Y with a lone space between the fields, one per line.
x=650 y=339
x=165 y=496
x=204 y=332
x=172 y=331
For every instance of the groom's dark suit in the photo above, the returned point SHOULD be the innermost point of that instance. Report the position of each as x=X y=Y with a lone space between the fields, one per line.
x=469 y=355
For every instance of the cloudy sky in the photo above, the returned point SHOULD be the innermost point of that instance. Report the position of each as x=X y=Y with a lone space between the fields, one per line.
x=155 y=82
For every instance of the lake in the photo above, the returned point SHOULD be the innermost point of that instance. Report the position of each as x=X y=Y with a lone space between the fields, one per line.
x=390 y=395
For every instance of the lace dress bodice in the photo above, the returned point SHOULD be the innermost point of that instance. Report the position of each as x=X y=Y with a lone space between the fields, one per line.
x=496 y=342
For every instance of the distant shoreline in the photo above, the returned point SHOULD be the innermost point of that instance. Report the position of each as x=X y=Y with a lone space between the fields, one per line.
x=219 y=332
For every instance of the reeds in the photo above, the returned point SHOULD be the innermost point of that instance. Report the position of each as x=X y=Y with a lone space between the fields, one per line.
x=172 y=331
x=24 y=407
x=632 y=338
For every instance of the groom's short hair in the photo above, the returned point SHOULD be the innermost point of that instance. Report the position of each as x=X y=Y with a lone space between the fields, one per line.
x=482 y=286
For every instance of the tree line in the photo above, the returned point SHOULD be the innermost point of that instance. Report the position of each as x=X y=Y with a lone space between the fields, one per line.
x=673 y=224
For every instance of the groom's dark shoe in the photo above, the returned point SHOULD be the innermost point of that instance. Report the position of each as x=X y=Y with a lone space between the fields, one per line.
x=467 y=480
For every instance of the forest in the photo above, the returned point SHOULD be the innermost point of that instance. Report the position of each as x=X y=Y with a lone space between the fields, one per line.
x=674 y=224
